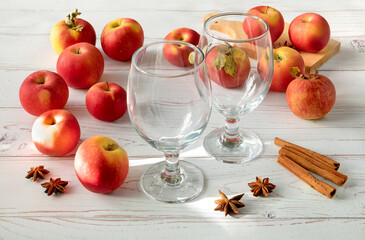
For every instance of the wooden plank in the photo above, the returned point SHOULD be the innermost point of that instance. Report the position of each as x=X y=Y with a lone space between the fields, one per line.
x=292 y=198
x=341 y=130
x=349 y=90
x=166 y=227
x=30 y=58
x=342 y=24
x=186 y=6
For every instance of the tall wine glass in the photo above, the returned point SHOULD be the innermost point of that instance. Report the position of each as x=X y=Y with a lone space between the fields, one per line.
x=239 y=63
x=169 y=104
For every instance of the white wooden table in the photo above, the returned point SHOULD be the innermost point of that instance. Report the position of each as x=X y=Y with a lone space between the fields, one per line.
x=293 y=210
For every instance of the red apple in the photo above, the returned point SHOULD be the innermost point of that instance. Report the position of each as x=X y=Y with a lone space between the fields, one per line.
x=106 y=101
x=311 y=97
x=70 y=31
x=81 y=65
x=179 y=54
x=254 y=28
x=56 y=132
x=42 y=91
x=284 y=59
x=121 y=38
x=226 y=73
x=309 y=32
x=101 y=164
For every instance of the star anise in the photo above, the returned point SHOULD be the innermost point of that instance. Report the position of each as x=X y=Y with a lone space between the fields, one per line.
x=54 y=186
x=229 y=205
x=36 y=172
x=261 y=187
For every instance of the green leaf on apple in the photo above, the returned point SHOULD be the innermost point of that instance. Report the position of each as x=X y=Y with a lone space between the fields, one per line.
x=225 y=60
x=219 y=61
x=71 y=21
x=230 y=66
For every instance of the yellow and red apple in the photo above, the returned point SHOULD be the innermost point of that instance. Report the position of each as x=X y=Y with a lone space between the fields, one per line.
x=42 y=91
x=178 y=55
x=101 y=165
x=106 y=101
x=309 y=32
x=254 y=28
x=228 y=66
x=311 y=97
x=121 y=38
x=284 y=59
x=81 y=65
x=70 y=31
x=56 y=132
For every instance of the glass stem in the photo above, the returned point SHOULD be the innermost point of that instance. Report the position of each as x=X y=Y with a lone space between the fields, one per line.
x=231 y=136
x=171 y=174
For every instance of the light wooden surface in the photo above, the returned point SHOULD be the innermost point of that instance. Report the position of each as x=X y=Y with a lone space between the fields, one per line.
x=293 y=210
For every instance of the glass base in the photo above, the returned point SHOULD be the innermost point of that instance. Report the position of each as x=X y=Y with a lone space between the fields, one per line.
x=190 y=185
x=249 y=149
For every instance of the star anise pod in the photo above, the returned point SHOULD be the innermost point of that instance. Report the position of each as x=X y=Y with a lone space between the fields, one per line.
x=36 y=172
x=261 y=187
x=229 y=205
x=54 y=186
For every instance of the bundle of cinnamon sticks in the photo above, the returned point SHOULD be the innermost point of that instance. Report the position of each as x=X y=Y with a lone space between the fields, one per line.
x=300 y=161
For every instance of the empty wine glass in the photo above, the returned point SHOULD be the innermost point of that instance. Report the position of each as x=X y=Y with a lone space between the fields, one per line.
x=239 y=63
x=169 y=105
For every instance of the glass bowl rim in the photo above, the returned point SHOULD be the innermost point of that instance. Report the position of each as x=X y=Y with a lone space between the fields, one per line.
x=195 y=69
x=218 y=15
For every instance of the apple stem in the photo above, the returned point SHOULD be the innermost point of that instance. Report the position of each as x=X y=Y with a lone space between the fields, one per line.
x=295 y=73
x=107 y=86
x=278 y=58
x=71 y=21
x=111 y=147
x=267 y=8
x=231 y=137
x=171 y=174
x=315 y=73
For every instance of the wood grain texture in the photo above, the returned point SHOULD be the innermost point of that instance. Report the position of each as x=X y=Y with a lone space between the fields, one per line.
x=187 y=228
x=293 y=210
x=291 y=198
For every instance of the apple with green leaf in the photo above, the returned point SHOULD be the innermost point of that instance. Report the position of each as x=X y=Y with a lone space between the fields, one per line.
x=228 y=66
x=70 y=31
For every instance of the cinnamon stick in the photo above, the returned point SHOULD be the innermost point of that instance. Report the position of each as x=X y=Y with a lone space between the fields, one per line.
x=308 y=178
x=314 y=166
x=316 y=156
